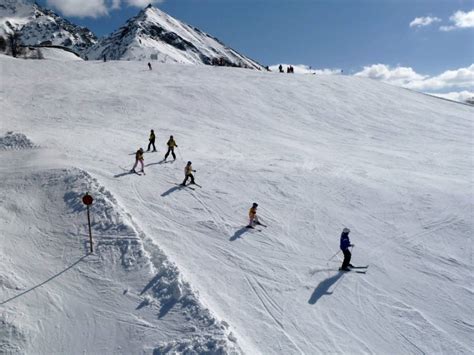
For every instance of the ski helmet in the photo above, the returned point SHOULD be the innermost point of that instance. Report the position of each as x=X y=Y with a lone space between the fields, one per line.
x=189 y=163
x=346 y=230
x=255 y=204
x=141 y=149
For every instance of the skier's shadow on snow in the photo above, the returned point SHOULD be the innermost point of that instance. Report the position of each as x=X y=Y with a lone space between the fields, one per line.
x=238 y=234
x=123 y=174
x=155 y=163
x=170 y=191
x=323 y=287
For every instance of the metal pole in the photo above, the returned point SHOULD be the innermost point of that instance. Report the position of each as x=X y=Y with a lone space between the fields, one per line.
x=332 y=257
x=90 y=232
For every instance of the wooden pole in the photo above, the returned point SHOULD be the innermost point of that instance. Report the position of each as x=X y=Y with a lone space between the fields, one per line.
x=90 y=231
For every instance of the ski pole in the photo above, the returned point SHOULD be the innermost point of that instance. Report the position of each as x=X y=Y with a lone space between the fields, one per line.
x=332 y=257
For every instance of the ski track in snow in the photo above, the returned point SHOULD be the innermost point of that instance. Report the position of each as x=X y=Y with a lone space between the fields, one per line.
x=320 y=153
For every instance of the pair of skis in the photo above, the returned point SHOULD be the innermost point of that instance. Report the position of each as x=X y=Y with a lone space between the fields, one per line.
x=356 y=269
x=188 y=186
x=166 y=161
x=139 y=173
x=258 y=224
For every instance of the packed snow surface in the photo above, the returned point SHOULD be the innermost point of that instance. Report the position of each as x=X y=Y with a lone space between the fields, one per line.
x=174 y=271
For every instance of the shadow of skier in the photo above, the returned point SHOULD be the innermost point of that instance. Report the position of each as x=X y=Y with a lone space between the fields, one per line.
x=124 y=174
x=170 y=191
x=323 y=287
x=155 y=163
x=238 y=234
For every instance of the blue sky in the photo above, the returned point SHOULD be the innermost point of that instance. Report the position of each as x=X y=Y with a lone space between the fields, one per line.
x=344 y=34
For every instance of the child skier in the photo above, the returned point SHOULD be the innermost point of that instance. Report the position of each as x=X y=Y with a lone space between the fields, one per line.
x=345 y=243
x=171 y=144
x=152 y=141
x=188 y=173
x=138 y=159
x=253 y=219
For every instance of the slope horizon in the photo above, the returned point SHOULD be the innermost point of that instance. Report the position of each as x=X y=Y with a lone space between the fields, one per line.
x=400 y=42
x=455 y=83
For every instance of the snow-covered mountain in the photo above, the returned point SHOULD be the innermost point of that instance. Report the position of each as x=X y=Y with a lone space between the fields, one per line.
x=153 y=33
x=37 y=25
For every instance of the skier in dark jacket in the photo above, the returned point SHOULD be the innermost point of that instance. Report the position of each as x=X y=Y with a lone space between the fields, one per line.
x=152 y=141
x=171 y=144
x=345 y=244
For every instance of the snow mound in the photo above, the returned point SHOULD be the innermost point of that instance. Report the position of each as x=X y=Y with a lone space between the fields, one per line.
x=15 y=141
x=12 y=338
x=136 y=289
x=194 y=346
x=58 y=54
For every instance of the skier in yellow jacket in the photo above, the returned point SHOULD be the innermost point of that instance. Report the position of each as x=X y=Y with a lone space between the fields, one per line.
x=188 y=173
x=171 y=144
x=253 y=218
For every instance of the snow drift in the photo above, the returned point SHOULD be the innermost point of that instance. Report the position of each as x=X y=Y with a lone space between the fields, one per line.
x=55 y=289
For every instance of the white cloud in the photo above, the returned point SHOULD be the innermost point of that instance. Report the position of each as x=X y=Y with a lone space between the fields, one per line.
x=462 y=78
x=328 y=71
x=424 y=21
x=461 y=96
x=95 y=8
x=79 y=8
x=459 y=78
x=142 y=3
x=400 y=76
x=460 y=19
x=115 y=5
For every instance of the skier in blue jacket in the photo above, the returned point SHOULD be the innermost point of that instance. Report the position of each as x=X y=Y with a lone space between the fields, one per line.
x=344 y=245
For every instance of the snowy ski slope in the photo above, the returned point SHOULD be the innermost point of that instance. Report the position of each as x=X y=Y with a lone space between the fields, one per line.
x=174 y=270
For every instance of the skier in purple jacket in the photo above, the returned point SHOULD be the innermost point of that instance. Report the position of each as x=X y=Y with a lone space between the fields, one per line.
x=344 y=245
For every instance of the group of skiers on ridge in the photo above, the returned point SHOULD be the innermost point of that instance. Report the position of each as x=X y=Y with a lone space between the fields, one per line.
x=345 y=242
x=289 y=69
